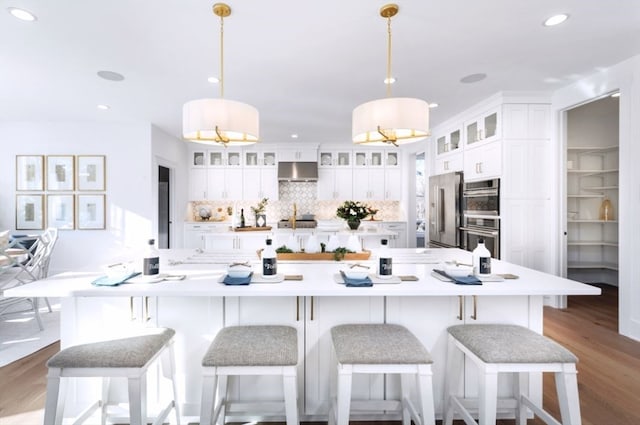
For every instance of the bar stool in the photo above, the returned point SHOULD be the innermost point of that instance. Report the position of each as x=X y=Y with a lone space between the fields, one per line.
x=498 y=348
x=125 y=358
x=249 y=350
x=382 y=348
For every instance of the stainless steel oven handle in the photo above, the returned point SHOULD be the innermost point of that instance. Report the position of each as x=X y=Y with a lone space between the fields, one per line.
x=480 y=192
x=474 y=231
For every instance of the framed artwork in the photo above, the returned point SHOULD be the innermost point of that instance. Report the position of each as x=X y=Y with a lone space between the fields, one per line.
x=29 y=212
x=29 y=172
x=91 y=211
x=61 y=212
x=60 y=173
x=91 y=172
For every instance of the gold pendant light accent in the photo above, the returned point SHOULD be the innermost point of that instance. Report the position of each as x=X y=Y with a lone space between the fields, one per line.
x=220 y=121
x=392 y=120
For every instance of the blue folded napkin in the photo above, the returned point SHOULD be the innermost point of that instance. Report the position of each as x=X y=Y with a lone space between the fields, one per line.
x=114 y=280
x=356 y=282
x=228 y=280
x=461 y=280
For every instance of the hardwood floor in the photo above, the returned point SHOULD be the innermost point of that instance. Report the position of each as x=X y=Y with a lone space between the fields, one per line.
x=608 y=370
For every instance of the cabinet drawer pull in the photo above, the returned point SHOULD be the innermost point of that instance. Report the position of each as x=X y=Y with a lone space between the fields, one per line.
x=460 y=306
x=133 y=316
x=297 y=308
x=312 y=302
x=147 y=316
x=474 y=315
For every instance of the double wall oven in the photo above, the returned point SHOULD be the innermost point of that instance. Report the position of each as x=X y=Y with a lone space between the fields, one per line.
x=481 y=215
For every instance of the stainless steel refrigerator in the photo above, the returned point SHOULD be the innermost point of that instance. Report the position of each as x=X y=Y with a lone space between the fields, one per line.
x=445 y=210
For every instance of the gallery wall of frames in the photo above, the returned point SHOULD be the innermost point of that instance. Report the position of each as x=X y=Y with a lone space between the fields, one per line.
x=63 y=191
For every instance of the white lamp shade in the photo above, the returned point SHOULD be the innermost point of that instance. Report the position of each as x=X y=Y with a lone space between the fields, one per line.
x=402 y=119
x=237 y=122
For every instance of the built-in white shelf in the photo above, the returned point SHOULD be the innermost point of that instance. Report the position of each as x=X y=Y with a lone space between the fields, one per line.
x=592 y=243
x=586 y=196
x=592 y=150
x=592 y=221
x=592 y=265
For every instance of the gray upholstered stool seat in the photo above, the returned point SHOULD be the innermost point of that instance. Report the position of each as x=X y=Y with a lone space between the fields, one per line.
x=253 y=346
x=496 y=348
x=249 y=350
x=378 y=349
x=128 y=357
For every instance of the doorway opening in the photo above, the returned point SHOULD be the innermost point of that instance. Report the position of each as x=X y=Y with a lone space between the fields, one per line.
x=164 y=203
x=420 y=205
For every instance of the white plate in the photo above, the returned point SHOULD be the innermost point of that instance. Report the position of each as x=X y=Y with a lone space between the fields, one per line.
x=268 y=160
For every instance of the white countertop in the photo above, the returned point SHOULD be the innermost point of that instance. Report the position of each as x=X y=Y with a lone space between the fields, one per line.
x=203 y=270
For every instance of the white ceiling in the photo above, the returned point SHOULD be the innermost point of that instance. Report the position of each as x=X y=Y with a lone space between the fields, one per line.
x=304 y=64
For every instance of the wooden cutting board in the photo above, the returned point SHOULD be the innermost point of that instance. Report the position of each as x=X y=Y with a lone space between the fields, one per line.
x=252 y=229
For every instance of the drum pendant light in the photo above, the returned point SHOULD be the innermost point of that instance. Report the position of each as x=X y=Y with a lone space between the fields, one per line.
x=392 y=120
x=220 y=121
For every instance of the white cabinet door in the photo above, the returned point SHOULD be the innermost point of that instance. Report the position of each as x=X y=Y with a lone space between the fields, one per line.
x=224 y=183
x=368 y=183
x=392 y=184
x=259 y=183
x=449 y=163
x=483 y=128
x=269 y=184
x=198 y=179
x=303 y=155
x=326 y=184
x=322 y=313
x=343 y=185
x=483 y=162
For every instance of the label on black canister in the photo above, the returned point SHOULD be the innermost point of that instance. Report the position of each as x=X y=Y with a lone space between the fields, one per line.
x=485 y=265
x=385 y=267
x=151 y=266
x=269 y=267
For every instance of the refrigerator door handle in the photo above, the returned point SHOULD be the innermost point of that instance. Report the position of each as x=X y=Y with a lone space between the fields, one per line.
x=441 y=210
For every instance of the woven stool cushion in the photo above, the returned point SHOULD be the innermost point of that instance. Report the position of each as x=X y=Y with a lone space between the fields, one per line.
x=377 y=344
x=135 y=351
x=253 y=346
x=494 y=343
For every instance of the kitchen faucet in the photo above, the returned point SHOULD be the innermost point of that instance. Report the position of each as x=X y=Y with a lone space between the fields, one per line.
x=293 y=217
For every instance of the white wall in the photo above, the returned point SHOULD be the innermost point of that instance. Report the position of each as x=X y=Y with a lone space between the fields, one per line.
x=626 y=78
x=130 y=188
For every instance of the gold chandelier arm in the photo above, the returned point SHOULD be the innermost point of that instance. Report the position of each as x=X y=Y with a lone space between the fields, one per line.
x=388 y=139
x=221 y=138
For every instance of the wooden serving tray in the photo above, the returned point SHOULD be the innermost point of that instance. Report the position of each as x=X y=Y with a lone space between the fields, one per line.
x=252 y=229
x=321 y=256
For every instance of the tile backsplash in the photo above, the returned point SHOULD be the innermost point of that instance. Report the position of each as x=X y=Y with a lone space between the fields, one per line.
x=303 y=194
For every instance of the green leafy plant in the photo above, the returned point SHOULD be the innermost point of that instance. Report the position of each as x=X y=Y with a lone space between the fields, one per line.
x=259 y=209
x=350 y=210
x=340 y=252
x=284 y=250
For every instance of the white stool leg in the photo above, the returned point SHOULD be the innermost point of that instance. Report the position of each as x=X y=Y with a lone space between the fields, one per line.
x=424 y=383
x=405 y=391
x=488 y=395
x=104 y=400
x=209 y=384
x=521 y=388
x=138 y=400
x=567 y=390
x=54 y=404
x=452 y=381
x=290 y=394
x=345 y=373
x=221 y=398
x=169 y=370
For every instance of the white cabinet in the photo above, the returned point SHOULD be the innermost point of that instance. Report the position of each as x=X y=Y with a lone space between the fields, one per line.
x=226 y=241
x=368 y=158
x=224 y=183
x=335 y=158
x=313 y=317
x=298 y=154
x=483 y=128
x=483 y=162
x=369 y=183
x=224 y=157
x=526 y=121
x=448 y=141
x=259 y=158
x=335 y=183
x=449 y=163
x=260 y=182
x=400 y=228
x=198 y=180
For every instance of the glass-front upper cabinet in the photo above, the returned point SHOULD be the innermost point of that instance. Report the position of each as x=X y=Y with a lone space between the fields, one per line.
x=392 y=159
x=369 y=158
x=449 y=141
x=198 y=159
x=225 y=158
x=484 y=128
x=335 y=158
x=259 y=158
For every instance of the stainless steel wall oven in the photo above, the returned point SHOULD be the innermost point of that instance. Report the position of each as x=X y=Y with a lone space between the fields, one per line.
x=481 y=215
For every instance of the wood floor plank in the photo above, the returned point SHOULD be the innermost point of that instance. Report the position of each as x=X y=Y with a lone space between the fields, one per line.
x=608 y=370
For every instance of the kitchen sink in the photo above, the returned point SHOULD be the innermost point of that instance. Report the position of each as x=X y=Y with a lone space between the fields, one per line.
x=300 y=224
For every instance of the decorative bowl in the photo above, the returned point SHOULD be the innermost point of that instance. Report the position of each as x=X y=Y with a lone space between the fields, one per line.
x=356 y=272
x=239 y=270
x=457 y=270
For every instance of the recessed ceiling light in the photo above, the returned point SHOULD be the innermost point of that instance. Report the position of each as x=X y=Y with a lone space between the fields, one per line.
x=556 y=20
x=473 y=78
x=616 y=94
x=103 y=107
x=389 y=80
x=23 y=15
x=433 y=105
x=294 y=136
x=110 y=75
x=213 y=80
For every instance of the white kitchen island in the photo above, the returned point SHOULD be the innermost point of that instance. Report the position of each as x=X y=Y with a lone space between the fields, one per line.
x=199 y=306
